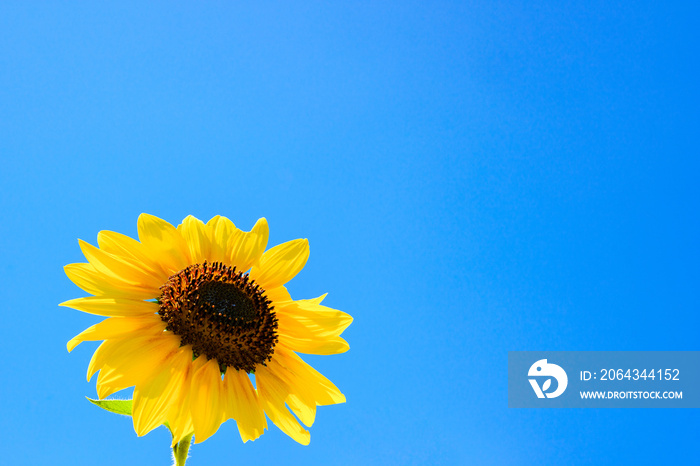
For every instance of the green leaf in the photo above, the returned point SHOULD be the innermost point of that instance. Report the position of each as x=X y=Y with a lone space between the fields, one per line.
x=113 y=406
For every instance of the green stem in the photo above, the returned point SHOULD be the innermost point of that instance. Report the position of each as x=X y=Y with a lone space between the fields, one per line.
x=180 y=450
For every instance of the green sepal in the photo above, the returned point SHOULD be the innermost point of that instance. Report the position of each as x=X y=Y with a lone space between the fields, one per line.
x=122 y=407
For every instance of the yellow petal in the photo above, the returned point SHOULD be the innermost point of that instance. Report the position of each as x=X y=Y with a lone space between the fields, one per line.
x=242 y=404
x=153 y=400
x=245 y=248
x=278 y=295
x=179 y=414
x=329 y=345
x=220 y=230
x=119 y=268
x=308 y=380
x=116 y=327
x=133 y=361
x=205 y=401
x=164 y=243
x=280 y=264
x=112 y=307
x=124 y=246
x=195 y=233
x=183 y=427
x=101 y=354
x=318 y=300
x=90 y=280
x=315 y=320
x=304 y=409
x=272 y=392
x=299 y=398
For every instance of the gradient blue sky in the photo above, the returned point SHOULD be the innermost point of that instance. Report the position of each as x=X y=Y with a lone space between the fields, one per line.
x=473 y=177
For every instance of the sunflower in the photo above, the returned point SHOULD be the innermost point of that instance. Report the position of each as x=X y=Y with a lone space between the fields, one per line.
x=195 y=314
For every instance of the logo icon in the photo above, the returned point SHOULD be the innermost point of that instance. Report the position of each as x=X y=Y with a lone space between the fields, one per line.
x=543 y=369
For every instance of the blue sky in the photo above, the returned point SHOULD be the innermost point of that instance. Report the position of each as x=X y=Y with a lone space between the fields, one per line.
x=473 y=177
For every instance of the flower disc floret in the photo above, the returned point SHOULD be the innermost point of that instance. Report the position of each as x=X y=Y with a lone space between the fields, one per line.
x=222 y=313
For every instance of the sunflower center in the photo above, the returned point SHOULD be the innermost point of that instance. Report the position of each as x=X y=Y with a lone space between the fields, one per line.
x=222 y=313
x=226 y=303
